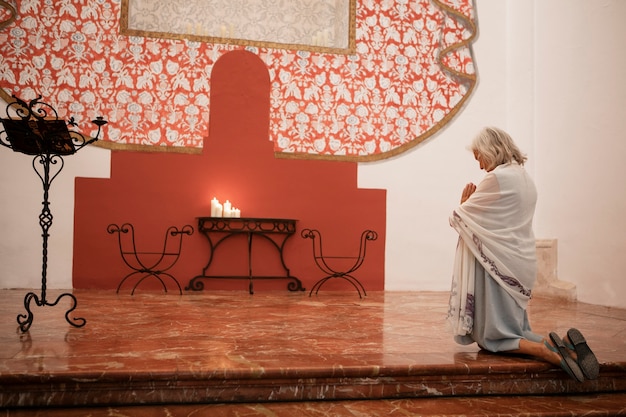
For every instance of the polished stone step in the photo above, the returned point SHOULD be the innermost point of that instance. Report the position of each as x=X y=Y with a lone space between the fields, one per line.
x=307 y=384
x=475 y=406
x=232 y=347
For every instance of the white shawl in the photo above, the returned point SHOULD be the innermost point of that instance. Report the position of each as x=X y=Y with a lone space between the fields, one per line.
x=495 y=229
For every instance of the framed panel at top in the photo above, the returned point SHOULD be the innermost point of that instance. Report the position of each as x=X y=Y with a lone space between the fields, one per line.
x=315 y=25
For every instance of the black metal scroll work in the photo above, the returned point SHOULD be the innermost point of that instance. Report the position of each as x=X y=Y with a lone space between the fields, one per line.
x=154 y=264
x=322 y=261
x=226 y=228
x=38 y=131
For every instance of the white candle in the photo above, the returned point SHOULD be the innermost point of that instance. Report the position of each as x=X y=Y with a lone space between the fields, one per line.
x=237 y=213
x=214 y=204
x=232 y=30
x=223 y=31
x=218 y=211
x=228 y=209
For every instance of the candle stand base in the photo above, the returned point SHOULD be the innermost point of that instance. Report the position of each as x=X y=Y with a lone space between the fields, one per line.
x=25 y=320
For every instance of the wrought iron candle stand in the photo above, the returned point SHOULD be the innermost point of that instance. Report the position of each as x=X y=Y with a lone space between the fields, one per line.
x=37 y=130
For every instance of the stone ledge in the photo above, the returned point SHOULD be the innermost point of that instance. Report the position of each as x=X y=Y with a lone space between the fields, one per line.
x=548 y=284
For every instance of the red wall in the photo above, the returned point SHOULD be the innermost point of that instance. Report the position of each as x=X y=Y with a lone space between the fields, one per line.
x=153 y=191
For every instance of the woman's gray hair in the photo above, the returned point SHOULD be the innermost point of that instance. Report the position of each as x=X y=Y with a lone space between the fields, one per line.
x=496 y=147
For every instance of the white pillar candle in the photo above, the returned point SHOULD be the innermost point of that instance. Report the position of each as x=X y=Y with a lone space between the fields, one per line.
x=214 y=203
x=227 y=209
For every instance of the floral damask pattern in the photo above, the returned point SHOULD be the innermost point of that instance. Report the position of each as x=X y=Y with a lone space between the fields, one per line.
x=412 y=71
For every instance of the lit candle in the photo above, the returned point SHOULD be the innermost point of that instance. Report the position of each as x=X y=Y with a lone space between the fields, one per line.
x=223 y=31
x=228 y=209
x=214 y=205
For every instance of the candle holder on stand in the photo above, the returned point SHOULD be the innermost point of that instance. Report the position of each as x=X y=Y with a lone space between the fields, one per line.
x=37 y=130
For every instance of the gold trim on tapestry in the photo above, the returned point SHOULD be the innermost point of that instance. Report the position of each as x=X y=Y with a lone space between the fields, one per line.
x=12 y=9
x=115 y=146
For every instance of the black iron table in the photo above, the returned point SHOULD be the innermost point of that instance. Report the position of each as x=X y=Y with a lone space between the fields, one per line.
x=217 y=230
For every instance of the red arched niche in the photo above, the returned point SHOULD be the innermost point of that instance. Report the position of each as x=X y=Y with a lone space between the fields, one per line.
x=153 y=191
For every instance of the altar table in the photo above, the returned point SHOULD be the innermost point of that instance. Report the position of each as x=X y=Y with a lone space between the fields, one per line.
x=218 y=230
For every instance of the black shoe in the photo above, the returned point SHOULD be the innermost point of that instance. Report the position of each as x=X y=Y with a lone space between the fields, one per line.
x=585 y=357
x=568 y=363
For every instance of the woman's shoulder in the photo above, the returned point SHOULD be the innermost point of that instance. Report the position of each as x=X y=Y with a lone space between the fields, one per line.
x=510 y=168
x=512 y=174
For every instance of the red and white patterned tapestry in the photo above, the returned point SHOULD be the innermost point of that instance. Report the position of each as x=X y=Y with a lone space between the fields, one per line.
x=411 y=73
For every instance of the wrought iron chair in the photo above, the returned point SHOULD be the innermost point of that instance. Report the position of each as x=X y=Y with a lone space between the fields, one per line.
x=322 y=261
x=149 y=264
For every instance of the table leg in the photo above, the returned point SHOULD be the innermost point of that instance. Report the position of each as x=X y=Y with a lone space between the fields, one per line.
x=250 y=285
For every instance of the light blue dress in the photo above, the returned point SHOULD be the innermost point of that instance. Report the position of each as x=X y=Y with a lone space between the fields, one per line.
x=499 y=321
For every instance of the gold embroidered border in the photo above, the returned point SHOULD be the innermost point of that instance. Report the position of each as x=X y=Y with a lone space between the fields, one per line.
x=12 y=13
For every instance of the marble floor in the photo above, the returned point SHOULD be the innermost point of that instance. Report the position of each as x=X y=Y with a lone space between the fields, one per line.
x=288 y=354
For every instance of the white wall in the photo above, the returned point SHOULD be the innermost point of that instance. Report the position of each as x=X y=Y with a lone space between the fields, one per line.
x=549 y=72
x=580 y=117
